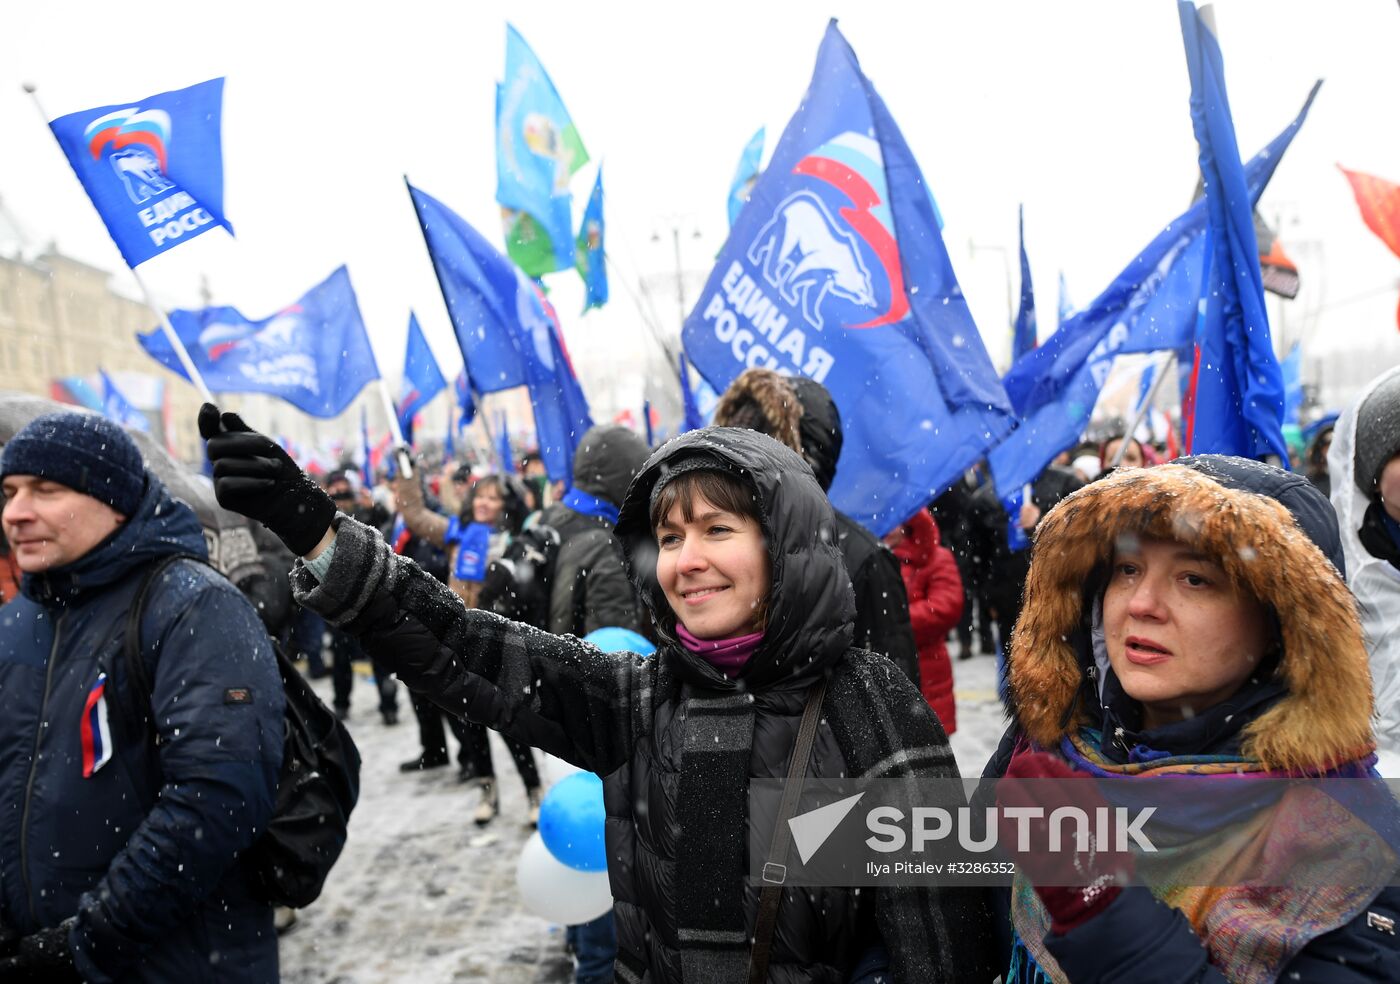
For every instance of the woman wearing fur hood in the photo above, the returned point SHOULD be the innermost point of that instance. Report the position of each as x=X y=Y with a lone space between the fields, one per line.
x=1191 y=620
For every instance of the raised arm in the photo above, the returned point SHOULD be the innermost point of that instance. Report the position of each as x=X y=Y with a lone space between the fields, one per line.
x=553 y=692
x=420 y=520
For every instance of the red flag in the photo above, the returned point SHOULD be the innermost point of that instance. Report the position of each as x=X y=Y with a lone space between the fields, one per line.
x=1379 y=201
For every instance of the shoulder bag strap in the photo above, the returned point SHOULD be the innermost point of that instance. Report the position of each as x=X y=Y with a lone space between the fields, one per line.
x=775 y=868
x=139 y=685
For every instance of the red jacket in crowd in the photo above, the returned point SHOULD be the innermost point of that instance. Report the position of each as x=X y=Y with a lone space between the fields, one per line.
x=935 y=605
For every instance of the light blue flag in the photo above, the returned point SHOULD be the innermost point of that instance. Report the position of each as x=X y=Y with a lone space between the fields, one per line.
x=115 y=406
x=537 y=150
x=1023 y=334
x=422 y=379
x=1150 y=306
x=592 y=264
x=1235 y=401
x=745 y=175
x=836 y=270
x=154 y=169
x=314 y=354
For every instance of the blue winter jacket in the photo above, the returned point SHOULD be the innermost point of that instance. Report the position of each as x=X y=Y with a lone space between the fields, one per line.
x=143 y=851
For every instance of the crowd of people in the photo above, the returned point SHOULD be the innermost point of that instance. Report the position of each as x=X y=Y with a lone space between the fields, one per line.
x=1202 y=617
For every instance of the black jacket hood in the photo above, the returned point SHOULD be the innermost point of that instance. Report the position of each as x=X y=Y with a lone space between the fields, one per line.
x=811 y=607
x=606 y=460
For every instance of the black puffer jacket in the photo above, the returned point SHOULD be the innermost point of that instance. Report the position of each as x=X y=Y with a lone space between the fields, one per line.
x=590 y=587
x=882 y=604
x=627 y=718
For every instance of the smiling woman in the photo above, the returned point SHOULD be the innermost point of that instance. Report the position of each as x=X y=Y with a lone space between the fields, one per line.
x=732 y=546
x=711 y=559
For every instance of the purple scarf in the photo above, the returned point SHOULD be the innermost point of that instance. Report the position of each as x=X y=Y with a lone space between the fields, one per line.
x=726 y=655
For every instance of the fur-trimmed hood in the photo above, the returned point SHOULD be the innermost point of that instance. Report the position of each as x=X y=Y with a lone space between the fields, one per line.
x=1324 y=719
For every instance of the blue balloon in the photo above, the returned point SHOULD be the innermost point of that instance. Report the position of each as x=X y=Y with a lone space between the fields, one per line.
x=611 y=639
x=571 y=822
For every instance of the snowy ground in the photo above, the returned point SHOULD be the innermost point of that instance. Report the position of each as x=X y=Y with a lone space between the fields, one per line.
x=421 y=894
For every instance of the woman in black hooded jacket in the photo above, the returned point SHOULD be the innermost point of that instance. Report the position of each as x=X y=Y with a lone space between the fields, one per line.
x=679 y=736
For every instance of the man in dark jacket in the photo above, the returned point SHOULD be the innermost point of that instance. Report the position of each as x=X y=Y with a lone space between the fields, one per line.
x=118 y=853
x=1003 y=568
x=590 y=589
x=800 y=413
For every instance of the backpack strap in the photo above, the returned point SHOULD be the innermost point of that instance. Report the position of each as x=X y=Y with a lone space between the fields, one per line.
x=139 y=684
x=775 y=869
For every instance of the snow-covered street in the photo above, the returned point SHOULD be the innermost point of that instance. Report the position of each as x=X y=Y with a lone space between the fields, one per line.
x=421 y=894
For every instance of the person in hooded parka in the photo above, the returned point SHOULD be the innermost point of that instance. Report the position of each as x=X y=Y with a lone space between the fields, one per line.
x=1190 y=624
x=1364 y=462
x=732 y=545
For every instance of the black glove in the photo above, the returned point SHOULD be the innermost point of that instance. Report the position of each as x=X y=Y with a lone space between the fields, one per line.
x=42 y=957
x=255 y=477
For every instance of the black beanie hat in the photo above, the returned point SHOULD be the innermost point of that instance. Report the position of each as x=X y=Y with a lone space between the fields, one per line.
x=1377 y=433
x=84 y=451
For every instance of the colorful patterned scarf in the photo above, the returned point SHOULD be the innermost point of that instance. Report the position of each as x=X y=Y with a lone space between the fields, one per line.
x=1251 y=930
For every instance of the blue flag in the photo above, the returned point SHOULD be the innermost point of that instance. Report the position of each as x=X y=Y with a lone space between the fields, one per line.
x=449 y=440
x=1292 y=370
x=647 y=429
x=691 y=419
x=314 y=354
x=1235 y=401
x=154 y=169
x=1023 y=336
x=466 y=401
x=422 y=379
x=745 y=175
x=508 y=332
x=1066 y=306
x=537 y=151
x=836 y=270
x=115 y=406
x=479 y=287
x=503 y=449
x=561 y=410
x=1150 y=306
x=589 y=246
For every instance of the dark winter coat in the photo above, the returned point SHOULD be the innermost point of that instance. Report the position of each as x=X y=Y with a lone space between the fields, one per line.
x=1314 y=707
x=935 y=605
x=142 y=852
x=1003 y=570
x=626 y=718
x=590 y=584
x=882 y=607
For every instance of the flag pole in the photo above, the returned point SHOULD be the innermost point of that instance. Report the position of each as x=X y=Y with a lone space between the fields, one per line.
x=180 y=351
x=400 y=452
x=174 y=339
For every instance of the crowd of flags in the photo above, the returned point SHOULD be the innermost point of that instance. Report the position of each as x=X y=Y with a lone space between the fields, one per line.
x=835 y=267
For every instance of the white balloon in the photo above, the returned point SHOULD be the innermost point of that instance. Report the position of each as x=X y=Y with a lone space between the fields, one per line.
x=554 y=891
x=553 y=769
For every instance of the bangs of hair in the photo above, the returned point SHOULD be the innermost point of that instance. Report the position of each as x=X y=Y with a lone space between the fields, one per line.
x=719 y=489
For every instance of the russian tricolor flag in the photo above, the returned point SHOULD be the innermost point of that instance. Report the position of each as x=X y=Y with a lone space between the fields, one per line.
x=97 y=737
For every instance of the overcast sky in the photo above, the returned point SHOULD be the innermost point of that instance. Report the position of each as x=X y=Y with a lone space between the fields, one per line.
x=1077 y=109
